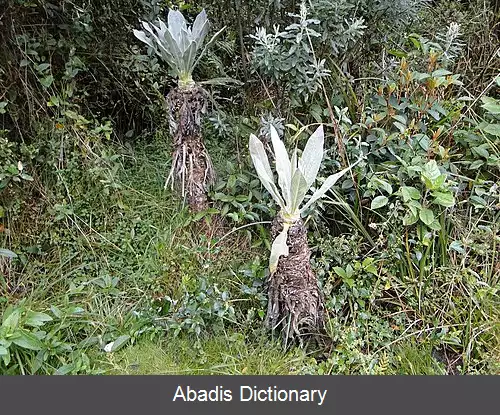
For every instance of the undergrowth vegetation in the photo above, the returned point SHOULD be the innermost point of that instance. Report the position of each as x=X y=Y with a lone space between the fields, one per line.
x=103 y=271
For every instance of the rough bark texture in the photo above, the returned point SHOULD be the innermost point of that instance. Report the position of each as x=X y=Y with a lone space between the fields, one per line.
x=295 y=301
x=192 y=169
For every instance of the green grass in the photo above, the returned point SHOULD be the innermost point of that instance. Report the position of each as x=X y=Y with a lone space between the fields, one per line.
x=224 y=355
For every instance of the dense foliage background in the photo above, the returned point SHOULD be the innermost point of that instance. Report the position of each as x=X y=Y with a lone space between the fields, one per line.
x=101 y=270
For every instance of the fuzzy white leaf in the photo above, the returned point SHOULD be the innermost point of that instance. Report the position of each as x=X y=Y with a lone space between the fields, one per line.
x=294 y=162
x=176 y=22
x=310 y=161
x=257 y=151
x=172 y=45
x=279 y=248
x=261 y=164
x=200 y=27
x=168 y=48
x=185 y=40
x=283 y=166
x=139 y=34
x=190 y=55
x=163 y=28
x=329 y=182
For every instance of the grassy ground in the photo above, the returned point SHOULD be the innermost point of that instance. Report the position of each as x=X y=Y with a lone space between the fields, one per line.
x=124 y=268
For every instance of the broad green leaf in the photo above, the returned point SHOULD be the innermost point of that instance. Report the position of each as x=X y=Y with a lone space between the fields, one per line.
x=435 y=225
x=312 y=155
x=423 y=141
x=493 y=129
x=445 y=199
x=6 y=358
x=279 y=248
x=408 y=193
x=3 y=351
x=410 y=218
x=299 y=190
x=384 y=184
x=414 y=206
x=431 y=170
x=379 y=202
x=439 y=181
x=476 y=164
x=47 y=81
x=401 y=127
x=283 y=167
x=482 y=150
x=65 y=369
x=340 y=272
x=10 y=318
x=36 y=319
x=329 y=182
x=27 y=340
x=400 y=118
x=42 y=67
x=426 y=216
x=441 y=72
x=491 y=105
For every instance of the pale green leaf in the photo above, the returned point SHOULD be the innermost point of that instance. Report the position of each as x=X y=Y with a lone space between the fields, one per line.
x=47 y=81
x=410 y=218
x=340 y=272
x=493 y=129
x=431 y=170
x=299 y=190
x=408 y=193
x=435 y=225
x=457 y=246
x=26 y=340
x=426 y=216
x=36 y=319
x=491 y=105
x=379 y=202
x=445 y=199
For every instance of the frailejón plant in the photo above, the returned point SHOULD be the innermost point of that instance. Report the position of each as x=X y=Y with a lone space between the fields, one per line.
x=176 y=43
x=295 y=179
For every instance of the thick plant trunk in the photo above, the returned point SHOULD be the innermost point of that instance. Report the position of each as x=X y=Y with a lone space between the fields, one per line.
x=192 y=169
x=295 y=301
